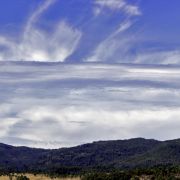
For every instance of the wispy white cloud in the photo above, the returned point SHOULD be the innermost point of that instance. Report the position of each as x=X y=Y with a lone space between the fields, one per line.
x=124 y=26
x=159 y=57
x=113 y=48
x=42 y=46
x=131 y=10
x=114 y=4
x=35 y=16
x=36 y=44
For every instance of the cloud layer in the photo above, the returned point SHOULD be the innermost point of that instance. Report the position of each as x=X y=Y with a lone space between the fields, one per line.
x=51 y=105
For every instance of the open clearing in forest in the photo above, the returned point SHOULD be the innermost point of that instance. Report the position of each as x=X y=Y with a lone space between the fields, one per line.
x=38 y=177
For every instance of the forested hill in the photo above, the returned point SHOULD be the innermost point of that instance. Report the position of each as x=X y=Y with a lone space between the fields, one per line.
x=119 y=154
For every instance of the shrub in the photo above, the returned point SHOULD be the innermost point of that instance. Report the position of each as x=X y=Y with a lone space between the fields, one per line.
x=22 y=178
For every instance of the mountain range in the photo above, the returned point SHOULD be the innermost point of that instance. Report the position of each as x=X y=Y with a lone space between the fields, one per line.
x=120 y=154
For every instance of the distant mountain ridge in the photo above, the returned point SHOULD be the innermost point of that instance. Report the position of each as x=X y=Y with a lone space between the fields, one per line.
x=130 y=153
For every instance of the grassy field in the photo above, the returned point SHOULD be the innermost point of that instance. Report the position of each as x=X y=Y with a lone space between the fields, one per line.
x=38 y=177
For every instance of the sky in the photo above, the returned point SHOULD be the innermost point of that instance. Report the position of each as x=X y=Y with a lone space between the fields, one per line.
x=78 y=71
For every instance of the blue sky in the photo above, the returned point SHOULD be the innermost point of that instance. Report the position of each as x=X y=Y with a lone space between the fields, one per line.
x=79 y=31
x=77 y=71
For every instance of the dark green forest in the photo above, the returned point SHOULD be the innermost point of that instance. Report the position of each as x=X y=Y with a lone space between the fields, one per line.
x=97 y=160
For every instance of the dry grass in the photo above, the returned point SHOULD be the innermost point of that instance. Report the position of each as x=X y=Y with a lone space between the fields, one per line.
x=39 y=177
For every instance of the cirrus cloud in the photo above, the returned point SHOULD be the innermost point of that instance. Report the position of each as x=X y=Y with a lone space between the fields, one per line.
x=36 y=44
x=129 y=9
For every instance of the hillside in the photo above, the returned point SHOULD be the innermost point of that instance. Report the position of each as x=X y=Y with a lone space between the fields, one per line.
x=131 y=153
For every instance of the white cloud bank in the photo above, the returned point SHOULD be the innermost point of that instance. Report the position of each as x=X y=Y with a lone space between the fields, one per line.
x=64 y=105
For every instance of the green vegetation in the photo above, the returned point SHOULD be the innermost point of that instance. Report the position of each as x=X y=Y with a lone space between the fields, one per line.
x=22 y=177
x=107 y=176
x=101 y=160
x=155 y=173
